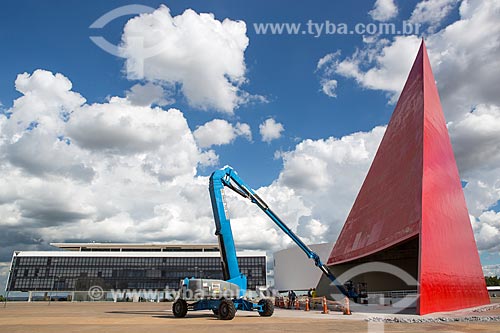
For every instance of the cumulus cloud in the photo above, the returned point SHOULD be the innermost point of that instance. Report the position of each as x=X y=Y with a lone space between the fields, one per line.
x=148 y=94
x=248 y=220
x=122 y=128
x=487 y=230
x=432 y=12
x=220 y=132
x=476 y=143
x=270 y=130
x=384 y=10
x=329 y=87
x=4 y=272
x=326 y=176
x=463 y=57
x=103 y=171
x=197 y=53
x=478 y=128
x=144 y=185
x=33 y=136
x=391 y=63
x=491 y=270
x=47 y=99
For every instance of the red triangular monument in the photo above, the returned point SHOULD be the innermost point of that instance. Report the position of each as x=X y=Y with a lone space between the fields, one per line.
x=413 y=191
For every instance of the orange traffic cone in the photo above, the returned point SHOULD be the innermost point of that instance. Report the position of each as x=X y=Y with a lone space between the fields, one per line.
x=347 y=310
x=307 y=304
x=297 y=305
x=325 y=306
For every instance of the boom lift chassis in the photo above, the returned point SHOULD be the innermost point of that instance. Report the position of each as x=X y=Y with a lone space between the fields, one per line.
x=225 y=297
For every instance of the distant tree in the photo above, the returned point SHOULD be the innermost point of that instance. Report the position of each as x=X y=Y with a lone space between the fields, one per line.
x=2 y=299
x=492 y=280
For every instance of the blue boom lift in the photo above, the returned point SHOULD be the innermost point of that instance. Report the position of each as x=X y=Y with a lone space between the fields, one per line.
x=224 y=298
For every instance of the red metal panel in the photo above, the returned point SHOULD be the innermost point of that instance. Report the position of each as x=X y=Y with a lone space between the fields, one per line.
x=413 y=187
x=388 y=207
x=451 y=276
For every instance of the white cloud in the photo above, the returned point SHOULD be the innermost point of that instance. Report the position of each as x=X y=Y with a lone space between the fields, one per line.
x=202 y=56
x=110 y=171
x=487 y=231
x=249 y=223
x=270 y=130
x=384 y=10
x=4 y=268
x=391 y=64
x=220 y=132
x=144 y=184
x=432 y=12
x=148 y=94
x=327 y=60
x=463 y=56
x=46 y=100
x=33 y=136
x=137 y=178
x=326 y=175
x=329 y=87
x=4 y=272
x=476 y=142
x=478 y=128
x=120 y=127
x=491 y=270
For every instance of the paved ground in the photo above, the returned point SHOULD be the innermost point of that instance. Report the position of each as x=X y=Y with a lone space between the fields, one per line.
x=156 y=317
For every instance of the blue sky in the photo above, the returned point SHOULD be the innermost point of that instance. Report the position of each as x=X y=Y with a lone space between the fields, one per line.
x=55 y=36
x=311 y=170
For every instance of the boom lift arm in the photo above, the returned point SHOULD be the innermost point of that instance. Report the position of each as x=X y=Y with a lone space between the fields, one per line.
x=227 y=177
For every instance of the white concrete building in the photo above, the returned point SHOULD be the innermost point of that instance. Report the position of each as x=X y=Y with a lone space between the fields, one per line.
x=293 y=270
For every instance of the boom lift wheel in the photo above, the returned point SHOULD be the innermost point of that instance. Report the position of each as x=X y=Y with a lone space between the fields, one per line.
x=180 y=308
x=226 y=309
x=268 y=307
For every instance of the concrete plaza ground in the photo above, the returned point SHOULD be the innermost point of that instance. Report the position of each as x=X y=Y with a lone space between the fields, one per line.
x=157 y=317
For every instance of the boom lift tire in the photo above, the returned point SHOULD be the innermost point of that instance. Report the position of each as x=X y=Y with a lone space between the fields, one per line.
x=268 y=307
x=226 y=309
x=180 y=308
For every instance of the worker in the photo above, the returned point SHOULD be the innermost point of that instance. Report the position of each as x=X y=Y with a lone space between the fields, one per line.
x=313 y=295
x=291 y=297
